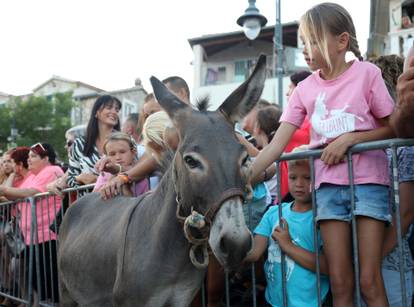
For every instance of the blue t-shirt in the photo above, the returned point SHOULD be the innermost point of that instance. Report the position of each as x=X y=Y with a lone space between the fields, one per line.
x=301 y=283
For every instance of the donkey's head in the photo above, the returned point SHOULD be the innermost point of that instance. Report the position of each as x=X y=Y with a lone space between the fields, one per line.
x=210 y=165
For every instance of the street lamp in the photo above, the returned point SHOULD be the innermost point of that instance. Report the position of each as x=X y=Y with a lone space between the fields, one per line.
x=252 y=21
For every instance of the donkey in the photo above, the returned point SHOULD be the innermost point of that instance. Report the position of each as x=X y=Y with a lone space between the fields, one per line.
x=135 y=251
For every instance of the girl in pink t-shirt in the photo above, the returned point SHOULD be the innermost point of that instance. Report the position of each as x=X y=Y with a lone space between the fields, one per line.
x=347 y=103
x=120 y=148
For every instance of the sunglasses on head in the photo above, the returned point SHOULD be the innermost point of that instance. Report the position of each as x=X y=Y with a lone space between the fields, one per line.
x=38 y=149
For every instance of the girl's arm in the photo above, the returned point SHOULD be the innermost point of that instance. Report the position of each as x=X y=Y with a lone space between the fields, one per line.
x=259 y=247
x=16 y=193
x=274 y=150
x=143 y=168
x=253 y=152
x=298 y=254
x=335 y=152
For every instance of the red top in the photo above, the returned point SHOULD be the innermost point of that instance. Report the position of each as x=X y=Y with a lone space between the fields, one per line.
x=300 y=137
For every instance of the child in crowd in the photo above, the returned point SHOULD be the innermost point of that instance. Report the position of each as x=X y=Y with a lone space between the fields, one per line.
x=153 y=134
x=154 y=140
x=267 y=123
x=347 y=103
x=120 y=148
x=296 y=239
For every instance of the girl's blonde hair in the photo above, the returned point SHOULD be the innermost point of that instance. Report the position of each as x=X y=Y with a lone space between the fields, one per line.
x=120 y=136
x=328 y=18
x=153 y=132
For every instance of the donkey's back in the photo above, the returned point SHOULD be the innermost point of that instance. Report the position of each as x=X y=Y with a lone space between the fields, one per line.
x=90 y=239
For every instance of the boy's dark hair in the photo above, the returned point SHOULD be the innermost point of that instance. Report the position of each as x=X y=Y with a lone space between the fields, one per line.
x=263 y=103
x=268 y=120
x=299 y=76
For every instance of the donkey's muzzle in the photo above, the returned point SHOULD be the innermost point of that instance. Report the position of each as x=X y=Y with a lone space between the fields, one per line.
x=230 y=239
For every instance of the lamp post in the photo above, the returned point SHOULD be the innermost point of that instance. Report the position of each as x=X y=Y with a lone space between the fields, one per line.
x=252 y=22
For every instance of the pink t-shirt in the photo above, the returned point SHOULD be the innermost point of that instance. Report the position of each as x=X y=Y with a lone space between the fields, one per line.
x=137 y=188
x=351 y=102
x=46 y=207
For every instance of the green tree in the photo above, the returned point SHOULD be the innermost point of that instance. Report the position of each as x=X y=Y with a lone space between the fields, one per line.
x=5 y=125
x=42 y=119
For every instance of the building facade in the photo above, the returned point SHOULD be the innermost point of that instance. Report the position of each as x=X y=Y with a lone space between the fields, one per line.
x=223 y=61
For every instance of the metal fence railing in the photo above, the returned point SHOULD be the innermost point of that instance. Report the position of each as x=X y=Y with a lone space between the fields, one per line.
x=312 y=155
x=28 y=246
x=28 y=272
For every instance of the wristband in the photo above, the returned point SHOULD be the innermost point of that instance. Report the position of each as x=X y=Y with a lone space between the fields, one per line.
x=124 y=177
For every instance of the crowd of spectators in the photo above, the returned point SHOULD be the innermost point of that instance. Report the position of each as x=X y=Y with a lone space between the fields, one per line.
x=129 y=163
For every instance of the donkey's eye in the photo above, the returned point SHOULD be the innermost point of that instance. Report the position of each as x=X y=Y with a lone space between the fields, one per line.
x=191 y=162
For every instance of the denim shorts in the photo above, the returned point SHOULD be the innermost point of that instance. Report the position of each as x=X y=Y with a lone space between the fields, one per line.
x=371 y=200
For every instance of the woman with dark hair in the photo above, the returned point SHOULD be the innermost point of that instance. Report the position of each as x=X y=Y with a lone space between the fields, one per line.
x=86 y=151
x=41 y=164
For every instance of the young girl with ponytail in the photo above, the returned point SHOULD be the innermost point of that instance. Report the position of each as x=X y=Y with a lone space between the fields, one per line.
x=347 y=103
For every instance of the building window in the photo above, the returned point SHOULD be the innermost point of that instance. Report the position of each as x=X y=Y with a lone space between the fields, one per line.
x=216 y=76
x=240 y=71
x=128 y=107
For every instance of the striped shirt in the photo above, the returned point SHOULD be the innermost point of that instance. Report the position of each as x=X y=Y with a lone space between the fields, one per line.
x=79 y=163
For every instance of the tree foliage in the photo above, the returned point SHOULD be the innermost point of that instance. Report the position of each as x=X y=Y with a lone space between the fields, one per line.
x=38 y=119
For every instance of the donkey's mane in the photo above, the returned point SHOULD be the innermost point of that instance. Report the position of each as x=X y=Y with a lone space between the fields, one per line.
x=203 y=103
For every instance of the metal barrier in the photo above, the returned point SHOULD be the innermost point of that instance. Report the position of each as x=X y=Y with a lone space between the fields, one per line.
x=28 y=242
x=312 y=155
x=32 y=275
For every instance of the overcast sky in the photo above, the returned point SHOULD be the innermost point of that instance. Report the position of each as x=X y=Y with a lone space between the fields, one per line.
x=108 y=43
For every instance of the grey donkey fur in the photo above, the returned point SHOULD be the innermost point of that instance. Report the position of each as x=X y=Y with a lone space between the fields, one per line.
x=132 y=251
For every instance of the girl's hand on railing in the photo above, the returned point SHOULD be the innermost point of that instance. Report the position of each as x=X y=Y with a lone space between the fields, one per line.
x=335 y=152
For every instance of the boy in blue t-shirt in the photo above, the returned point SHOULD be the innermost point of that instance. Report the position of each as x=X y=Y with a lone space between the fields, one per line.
x=296 y=240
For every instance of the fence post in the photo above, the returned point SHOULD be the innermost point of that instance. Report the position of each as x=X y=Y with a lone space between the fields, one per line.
x=396 y=193
x=315 y=231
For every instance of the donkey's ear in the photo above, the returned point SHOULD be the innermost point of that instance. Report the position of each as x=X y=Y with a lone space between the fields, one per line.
x=245 y=97
x=168 y=101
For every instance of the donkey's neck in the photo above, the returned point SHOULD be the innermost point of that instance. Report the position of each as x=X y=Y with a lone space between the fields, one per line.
x=163 y=200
